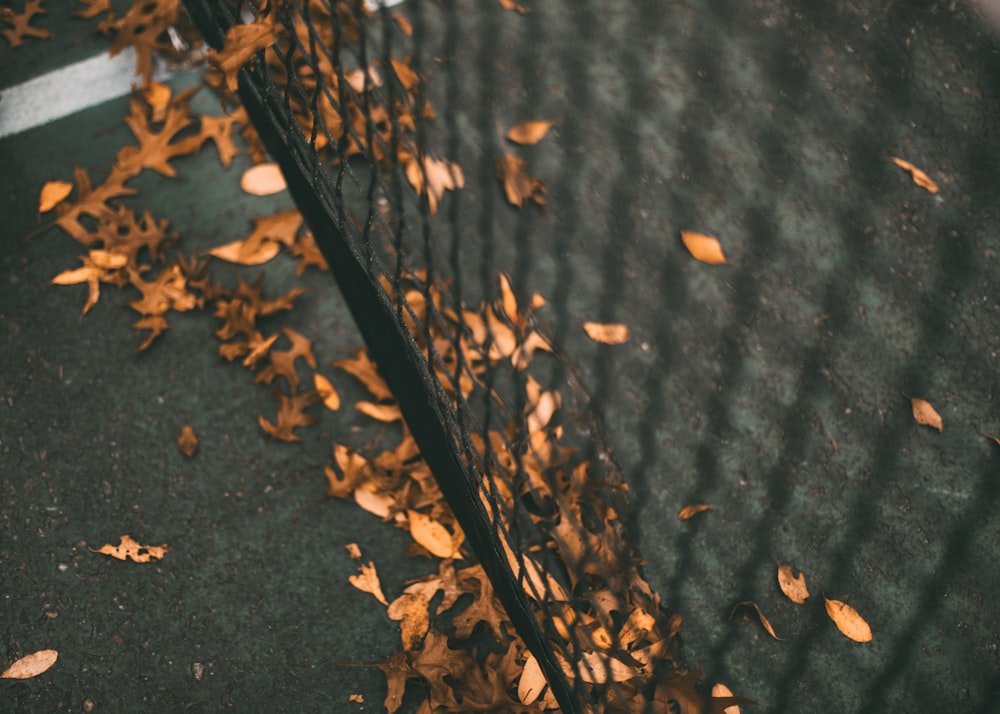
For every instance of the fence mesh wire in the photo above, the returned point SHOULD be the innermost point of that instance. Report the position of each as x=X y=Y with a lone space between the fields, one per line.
x=336 y=93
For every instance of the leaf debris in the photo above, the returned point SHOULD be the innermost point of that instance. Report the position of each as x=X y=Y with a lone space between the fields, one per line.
x=794 y=587
x=848 y=620
x=128 y=548
x=704 y=248
x=31 y=665
x=919 y=177
x=924 y=413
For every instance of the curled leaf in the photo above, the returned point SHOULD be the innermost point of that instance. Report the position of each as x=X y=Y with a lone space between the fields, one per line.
x=31 y=665
x=528 y=132
x=53 y=194
x=924 y=413
x=606 y=333
x=794 y=587
x=187 y=441
x=263 y=180
x=693 y=510
x=919 y=177
x=760 y=615
x=704 y=248
x=848 y=621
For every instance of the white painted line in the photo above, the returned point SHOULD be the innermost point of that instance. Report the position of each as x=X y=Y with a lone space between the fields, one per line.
x=374 y=5
x=66 y=91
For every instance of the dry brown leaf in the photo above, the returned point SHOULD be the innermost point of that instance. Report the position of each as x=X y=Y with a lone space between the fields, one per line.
x=157 y=96
x=511 y=5
x=31 y=665
x=379 y=412
x=919 y=177
x=760 y=615
x=356 y=698
x=693 y=510
x=794 y=587
x=353 y=550
x=187 y=442
x=367 y=582
x=517 y=184
x=326 y=391
x=129 y=548
x=704 y=248
x=529 y=132
x=433 y=536
x=924 y=413
x=410 y=609
x=532 y=682
x=375 y=502
x=290 y=414
x=848 y=621
x=20 y=27
x=53 y=194
x=403 y=24
x=436 y=176
x=246 y=252
x=606 y=333
x=263 y=180
x=721 y=691
x=241 y=43
x=994 y=439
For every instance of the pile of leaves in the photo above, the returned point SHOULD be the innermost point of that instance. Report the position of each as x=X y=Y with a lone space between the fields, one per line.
x=616 y=642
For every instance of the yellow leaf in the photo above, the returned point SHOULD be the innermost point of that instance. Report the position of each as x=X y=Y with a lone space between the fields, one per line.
x=606 y=333
x=721 y=691
x=326 y=391
x=411 y=610
x=848 y=621
x=693 y=510
x=919 y=177
x=263 y=180
x=925 y=414
x=31 y=665
x=129 y=548
x=704 y=248
x=794 y=587
x=367 y=582
x=529 y=132
x=187 y=442
x=434 y=536
x=53 y=194
x=760 y=615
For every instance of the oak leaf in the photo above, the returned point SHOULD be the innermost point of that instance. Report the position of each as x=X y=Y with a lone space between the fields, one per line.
x=760 y=615
x=433 y=177
x=919 y=177
x=848 y=621
x=290 y=415
x=704 y=248
x=282 y=362
x=241 y=44
x=187 y=441
x=529 y=132
x=128 y=548
x=606 y=333
x=19 y=24
x=794 y=587
x=924 y=413
x=362 y=368
x=53 y=194
x=141 y=28
x=157 y=148
x=517 y=184
x=263 y=180
x=31 y=665
x=157 y=96
x=693 y=510
x=367 y=581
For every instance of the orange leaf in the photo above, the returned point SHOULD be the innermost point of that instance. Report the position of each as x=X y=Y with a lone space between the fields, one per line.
x=848 y=621
x=241 y=43
x=52 y=194
x=379 y=412
x=606 y=333
x=794 y=587
x=263 y=180
x=187 y=442
x=129 y=548
x=433 y=536
x=919 y=177
x=31 y=665
x=925 y=414
x=760 y=615
x=244 y=252
x=411 y=610
x=367 y=582
x=353 y=550
x=704 y=248
x=517 y=184
x=511 y=5
x=434 y=177
x=529 y=132
x=692 y=510
x=721 y=691
x=326 y=391
x=157 y=96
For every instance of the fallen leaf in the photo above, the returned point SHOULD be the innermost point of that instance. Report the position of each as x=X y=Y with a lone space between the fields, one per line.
x=52 y=195
x=410 y=609
x=241 y=44
x=704 y=248
x=517 y=184
x=290 y=415
x=31 y=665
x=19 y=24
x=357 y=698
x=848 y=621
x=693 y=510
x=327 y=394
x=760 y=615
x=403 y=24
x=436 y=176
x=129 y=548
x=353 y=550
x=794 y=587
x=245 y=252
x=721 y=691
x=511 y=5
x=532 y=681
x=919 y=177
x=925 y=414
x=379 y=412
x=606 y=333
x=367 y=582
x=187 y=442
x=263 y=180
x=157 y=96
x=528 y=132
x=994 y=439
x=433 y=536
